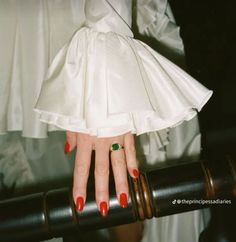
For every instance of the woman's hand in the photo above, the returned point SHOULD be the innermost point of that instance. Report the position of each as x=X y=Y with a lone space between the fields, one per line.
x=121 y=160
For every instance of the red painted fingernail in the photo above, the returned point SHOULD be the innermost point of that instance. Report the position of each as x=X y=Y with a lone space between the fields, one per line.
x=123 y=200
x=67 y=148
x=103 y=209
x=136 y=173
x=79 y=203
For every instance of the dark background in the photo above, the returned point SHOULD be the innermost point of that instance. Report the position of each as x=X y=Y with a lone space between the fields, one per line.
x=208 y=29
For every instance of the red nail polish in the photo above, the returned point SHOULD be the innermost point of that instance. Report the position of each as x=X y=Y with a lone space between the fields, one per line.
x=67 y=148
x=136 y=173
x=79 y=203
x=103 y=209
x=123 y=200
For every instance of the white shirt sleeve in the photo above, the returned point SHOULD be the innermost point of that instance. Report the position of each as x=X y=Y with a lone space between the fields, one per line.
x=105 y=83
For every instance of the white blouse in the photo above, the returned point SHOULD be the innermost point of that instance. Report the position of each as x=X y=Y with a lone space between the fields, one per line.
x=103 y=81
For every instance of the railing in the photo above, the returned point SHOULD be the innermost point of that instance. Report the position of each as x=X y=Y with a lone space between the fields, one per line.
x=157 y=193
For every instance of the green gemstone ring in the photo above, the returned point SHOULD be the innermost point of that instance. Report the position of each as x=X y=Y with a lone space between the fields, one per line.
x=115 y=147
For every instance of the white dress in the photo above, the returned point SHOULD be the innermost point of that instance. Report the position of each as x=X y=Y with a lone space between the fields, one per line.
x=102 y=81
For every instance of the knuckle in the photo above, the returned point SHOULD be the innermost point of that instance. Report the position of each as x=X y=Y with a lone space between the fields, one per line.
x=84 y=139
x=102 y=191
x=85 y=136
x=131 y=149
x=101 y=142
x=129 y=138
x=79 y=187
x=82 y=169
x=131 y=163
x=122 y=185
x=69 y=134
x=118 y=162
x=101 y=170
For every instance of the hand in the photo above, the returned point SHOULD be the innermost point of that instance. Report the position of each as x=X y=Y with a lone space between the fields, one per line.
x=121 y=160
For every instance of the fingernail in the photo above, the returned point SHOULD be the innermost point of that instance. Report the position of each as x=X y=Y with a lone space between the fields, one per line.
x=103 y=209
x=123 y=200
x=136 y=173
x=79 y=203
x=67 y=148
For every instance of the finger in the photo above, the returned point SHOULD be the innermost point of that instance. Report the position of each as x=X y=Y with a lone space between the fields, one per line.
x=70 y=142
x=130 y=154
x=81 y=170
x=102 y=175
x=120 y=175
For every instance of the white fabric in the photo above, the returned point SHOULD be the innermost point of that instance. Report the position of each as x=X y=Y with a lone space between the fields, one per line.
x=155 y=19
x=110 y=83
x=15 y=171
x=31 y=34
x=184 y=227
x=29 y=47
